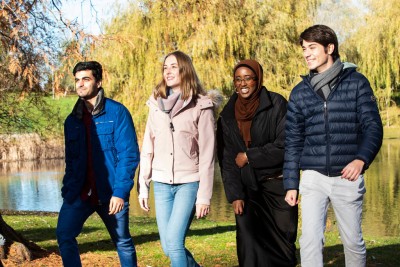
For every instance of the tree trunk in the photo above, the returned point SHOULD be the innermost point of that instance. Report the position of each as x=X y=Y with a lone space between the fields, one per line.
x=14 y=246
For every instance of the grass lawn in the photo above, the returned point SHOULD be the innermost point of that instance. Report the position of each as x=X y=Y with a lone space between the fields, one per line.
x=212 y=243
x=36 y=115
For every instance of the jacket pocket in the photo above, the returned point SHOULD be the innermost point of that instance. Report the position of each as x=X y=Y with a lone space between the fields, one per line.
x=104 y=138
x=190 y=147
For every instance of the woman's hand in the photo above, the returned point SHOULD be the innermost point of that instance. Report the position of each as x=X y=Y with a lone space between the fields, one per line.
x=238 y=206
x=241 y=159
x=144 y=204
x=202 y=210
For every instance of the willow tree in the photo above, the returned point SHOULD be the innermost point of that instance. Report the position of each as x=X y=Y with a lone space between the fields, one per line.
x=343 y=16
x=375 y=49
x=215 y=33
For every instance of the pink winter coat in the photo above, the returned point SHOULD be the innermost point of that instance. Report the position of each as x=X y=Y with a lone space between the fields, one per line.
x=181 y=156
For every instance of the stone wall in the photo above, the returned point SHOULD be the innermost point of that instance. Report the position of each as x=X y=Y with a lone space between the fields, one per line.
x=20 y=147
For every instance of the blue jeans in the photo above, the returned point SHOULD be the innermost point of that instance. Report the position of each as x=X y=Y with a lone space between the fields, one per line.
x=70 y=222
x=175 y=207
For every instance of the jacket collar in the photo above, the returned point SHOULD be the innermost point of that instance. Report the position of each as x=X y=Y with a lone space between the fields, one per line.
x=203 y=101
x=98 y=107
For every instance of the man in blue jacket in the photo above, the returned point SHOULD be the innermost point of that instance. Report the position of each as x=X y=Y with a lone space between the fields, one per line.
x=333 y=133
x=101 y=156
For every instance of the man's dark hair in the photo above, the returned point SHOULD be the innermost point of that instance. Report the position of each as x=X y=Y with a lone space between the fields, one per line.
x=94 y=66
x=323 y=35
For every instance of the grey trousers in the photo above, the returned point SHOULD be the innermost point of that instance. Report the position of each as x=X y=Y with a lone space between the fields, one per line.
x=346 y=198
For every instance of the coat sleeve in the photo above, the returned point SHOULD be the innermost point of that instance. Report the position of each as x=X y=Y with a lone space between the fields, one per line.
x=146 y=159
x=206 y=128
x=371 y=123
x=127 y=153
x=271 y=154
x=294 y=144
x=230 y=173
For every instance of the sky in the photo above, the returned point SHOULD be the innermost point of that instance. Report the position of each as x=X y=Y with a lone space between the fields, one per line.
x=81 y=11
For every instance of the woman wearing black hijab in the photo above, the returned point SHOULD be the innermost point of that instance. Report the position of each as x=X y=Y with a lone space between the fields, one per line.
x=251 y=135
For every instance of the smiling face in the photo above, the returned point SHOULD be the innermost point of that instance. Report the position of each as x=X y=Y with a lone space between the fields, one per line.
x=86 y=85
x=245 y=82
x=318 y=57
x=171 y=73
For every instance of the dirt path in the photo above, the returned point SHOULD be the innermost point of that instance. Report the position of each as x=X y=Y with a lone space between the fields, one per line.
x=53 y=260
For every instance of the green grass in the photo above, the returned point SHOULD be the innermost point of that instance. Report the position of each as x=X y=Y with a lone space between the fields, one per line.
x=61 y=108
x=212 y=243
x=33 y=114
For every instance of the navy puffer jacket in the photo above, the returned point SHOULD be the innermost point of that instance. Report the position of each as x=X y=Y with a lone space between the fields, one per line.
x=325 y=136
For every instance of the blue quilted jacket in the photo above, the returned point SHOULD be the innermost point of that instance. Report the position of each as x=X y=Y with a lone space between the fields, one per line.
x=327 y=135
x=115 y=152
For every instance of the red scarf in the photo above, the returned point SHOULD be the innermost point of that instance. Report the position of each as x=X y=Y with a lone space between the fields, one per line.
x=89 y=190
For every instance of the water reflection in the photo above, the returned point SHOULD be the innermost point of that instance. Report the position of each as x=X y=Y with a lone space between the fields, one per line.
x=31 y=185
x=36 y=186
x=381 y=208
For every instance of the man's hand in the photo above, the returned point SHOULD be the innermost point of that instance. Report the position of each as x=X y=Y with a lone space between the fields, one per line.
x=291 y=197
x=202 y=210
x=241 y=159
x=238 y=206
x=116 y=205
x=144 y=204
x=353 y=170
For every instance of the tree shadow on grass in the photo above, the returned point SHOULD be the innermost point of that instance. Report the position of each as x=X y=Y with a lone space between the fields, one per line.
x=212 y=231
x=385 y=256
x=107 y=245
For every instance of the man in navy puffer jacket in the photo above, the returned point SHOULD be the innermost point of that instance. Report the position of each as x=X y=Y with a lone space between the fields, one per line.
x=101 y=156
x=333 y=133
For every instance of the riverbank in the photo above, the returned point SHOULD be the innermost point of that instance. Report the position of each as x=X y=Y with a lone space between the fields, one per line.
x=30 y=146
x=213 y=243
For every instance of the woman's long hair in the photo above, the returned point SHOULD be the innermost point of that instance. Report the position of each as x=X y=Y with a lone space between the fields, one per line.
x=190 y=84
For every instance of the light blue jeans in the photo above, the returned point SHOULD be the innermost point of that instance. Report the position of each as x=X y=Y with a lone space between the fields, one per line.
x=346 y=198
x=175 y=207
x=70 y=222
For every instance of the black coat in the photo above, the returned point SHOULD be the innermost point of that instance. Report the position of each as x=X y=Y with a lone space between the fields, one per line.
x=266 y=152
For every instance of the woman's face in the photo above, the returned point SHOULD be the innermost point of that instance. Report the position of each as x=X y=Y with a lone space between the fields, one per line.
x=171 y=73
x=245 y=81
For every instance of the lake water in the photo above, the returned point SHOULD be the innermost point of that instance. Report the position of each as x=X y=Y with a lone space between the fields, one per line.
x=35 y=186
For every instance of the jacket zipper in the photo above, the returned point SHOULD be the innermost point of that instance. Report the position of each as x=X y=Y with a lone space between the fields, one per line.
x=328 y=143
x=171 y=127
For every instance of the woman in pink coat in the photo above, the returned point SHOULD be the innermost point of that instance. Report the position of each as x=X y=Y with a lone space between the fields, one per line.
x=178 y=155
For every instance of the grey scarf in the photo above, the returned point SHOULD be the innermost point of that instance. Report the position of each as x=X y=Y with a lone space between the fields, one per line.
x=326 y=80
x=168 y=105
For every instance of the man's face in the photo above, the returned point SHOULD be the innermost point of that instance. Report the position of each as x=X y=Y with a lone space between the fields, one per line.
x=318 y=57
x=86 y=85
